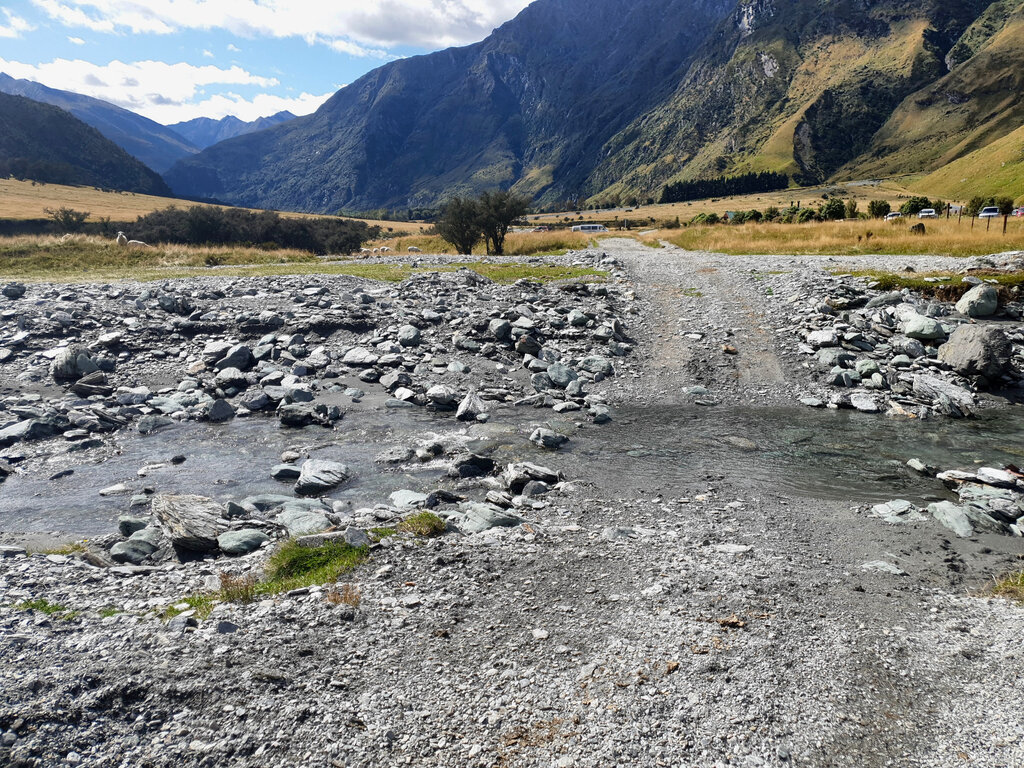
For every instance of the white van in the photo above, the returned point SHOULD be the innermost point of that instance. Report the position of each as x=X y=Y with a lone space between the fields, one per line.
x=590 y=228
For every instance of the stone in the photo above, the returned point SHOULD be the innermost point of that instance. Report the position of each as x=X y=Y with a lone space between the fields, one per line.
x=476 y=518
x=597 y=364
x=548 y=438
x=471 y=408
x=881 y=566
x=981 y=301
x=132 y=551
x=442 y=397
x=301 y=520
x=218 y=411
x=561 y=375
x=500 y=329
x=953 y=517
x=406 y=499
x=934 y=387
x=11 y=551
x=127 y=525
x=319 y=476
x=409 y=336
x=864 y=403
x=230 y=378
x=923 y=328
x=72 y=363
x=359 y=356
x=977 y=350
x=14 y=290
x=190 y=522
x=150 y=423
x=235 y=543
x=823 y=338
x=285 y=473
x=239 y=357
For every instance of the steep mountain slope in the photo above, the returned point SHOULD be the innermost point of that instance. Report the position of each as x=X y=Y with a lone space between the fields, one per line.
x=45 y=143
x=786 y=85
x=155 y=145
x=203 y=132
x=975 y=104
x=594 y=98
x=530 y=106
x=995 y=169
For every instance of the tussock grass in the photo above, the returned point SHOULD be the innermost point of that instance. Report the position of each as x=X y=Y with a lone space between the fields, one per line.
x=1011 y=587
x=293 y=567
x=516 y=244
x=851 y=238
x=42 y=605
x=423 y=524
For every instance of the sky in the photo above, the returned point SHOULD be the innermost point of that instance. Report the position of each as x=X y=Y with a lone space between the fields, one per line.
x=174 y=60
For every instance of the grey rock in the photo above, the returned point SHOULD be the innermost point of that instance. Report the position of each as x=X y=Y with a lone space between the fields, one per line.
x=285 y=472
x=597 y=364
x=241 y=542
x=923 y=328
x=319 y=476
x=561 y=375
x=471 y=408
x=976 y=350
x=217 y=411
x=302 y=521
x=981 y=301
x=127 y=525
x=953 y=517
x=239 y=357
x=548 y=438
x=476 y=518
x=409 y=336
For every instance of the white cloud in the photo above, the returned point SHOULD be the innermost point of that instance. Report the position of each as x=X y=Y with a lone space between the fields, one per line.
x=207 y=54
x=234 y=48
x=367 y=26
x=14 y=26
x=167 y=93
x=76 y=41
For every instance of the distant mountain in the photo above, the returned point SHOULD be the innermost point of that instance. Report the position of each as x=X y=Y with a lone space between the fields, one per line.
x=204 y=132
x=46 y=143
x=578 y=99
x=155 y=145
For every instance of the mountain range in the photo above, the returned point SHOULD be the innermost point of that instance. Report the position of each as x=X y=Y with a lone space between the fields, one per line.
x=203 y=132
x=46 y=143
x=578 y=99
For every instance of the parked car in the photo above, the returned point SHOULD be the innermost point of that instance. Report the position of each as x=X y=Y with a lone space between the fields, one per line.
x=927 y=213
x=893 y=215
x=1019 y=211
x=988 y=212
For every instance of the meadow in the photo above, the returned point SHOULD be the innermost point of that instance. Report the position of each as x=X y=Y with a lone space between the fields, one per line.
x=850 y=238
x=516 y=244
x=86 y=258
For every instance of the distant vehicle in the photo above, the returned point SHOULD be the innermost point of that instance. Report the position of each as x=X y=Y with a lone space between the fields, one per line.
x=542 y=229
x=893 y=215
x=988 y=212
x=590 y=228
x=927 y=213
x=1019 y=211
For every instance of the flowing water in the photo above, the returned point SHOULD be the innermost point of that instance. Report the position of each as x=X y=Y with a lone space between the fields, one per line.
x=839 y=455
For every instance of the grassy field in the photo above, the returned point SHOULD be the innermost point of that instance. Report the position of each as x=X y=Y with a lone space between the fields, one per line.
x=84 y=258
x=29 y=200
x=850 y=238
x=516 y=244
x=893 y=190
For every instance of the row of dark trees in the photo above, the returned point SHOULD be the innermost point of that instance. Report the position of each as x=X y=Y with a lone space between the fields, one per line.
x=208 y=225
x=724 y=186
x=464 y=221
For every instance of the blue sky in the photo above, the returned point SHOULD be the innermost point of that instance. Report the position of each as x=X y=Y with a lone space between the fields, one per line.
x=173 y=60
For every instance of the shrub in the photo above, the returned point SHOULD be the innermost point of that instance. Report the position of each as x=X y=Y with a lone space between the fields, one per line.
x=237 y=589
x=293 y=566
x=705 y=218
x=915 y=205
x=68 y=219
x=771 y=213
x=832 y=209
x=805 y=215
x=1005 y=205
x=851 y=209
x=879 y=209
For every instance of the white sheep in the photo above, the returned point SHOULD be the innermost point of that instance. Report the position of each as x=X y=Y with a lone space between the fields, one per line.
x=385 y=249
x=137 y=244
x=414 y=249
x=121 y=239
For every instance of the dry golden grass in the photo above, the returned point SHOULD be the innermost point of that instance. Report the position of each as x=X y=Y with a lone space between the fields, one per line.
x=893 y=190
x=27 y=200
x=516 y=244
x=850 y=238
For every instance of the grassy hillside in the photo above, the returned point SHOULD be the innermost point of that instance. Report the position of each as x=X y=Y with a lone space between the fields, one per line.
x=977 y=103
x=994 y=170
x=29 y=200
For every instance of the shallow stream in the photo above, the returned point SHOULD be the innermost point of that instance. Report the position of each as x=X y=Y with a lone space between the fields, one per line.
x=838 y=455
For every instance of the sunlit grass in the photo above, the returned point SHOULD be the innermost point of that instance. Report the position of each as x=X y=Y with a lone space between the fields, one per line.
x=516 y=244
x=849 y=238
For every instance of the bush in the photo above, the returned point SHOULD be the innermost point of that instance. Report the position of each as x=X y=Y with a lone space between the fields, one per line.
x=805 y=215
x=1005 y=205
x=68 y=219
x=771 y=213
x=706 y=218
x=915 y=205
x=423 y=524
x=832 y=209
x=851 y=209
x=879 y=209
x=976 y=203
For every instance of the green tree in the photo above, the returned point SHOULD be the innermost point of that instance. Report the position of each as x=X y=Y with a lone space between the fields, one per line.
x=1005 y=205
x=496 y=212
x=976 y=204
x=68 y=219
x=879 y=209
x=832 y=209
x=460 y=224
x=915 y=205
x=851 y=209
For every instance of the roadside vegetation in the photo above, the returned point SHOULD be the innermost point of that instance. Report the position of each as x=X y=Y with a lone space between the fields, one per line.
x=84 y=258
x=946 y=286
x=1011 y=587
x=556 y=242
x=849 y=238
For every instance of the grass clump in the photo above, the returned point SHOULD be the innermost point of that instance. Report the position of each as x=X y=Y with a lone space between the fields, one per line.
x=947 y=286
x=106 y=613
x=293 y=566
x=1011 y=587
x=423 y=524
x=347 y=594
x=379 y=534
x=201 y=604
x=42 y=605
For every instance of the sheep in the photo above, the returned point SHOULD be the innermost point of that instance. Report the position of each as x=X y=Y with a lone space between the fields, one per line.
x=137 y=244
x=121 y=239
x=414 y=249
x=385 y=249
x=376 y=250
